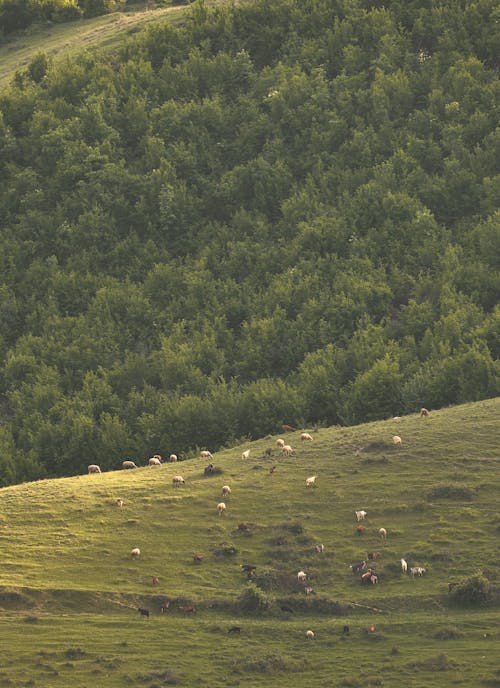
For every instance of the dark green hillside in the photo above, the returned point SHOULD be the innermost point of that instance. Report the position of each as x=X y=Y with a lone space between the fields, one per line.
x=275 y=213
x=70 y=590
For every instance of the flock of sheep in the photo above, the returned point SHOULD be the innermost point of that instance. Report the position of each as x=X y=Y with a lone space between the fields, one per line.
x=368 y=576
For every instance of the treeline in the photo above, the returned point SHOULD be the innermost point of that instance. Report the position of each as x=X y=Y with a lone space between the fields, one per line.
x=283 y=211
x=16 y=15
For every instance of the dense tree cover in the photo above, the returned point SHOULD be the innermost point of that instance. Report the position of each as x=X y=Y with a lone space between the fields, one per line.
x=282 y=211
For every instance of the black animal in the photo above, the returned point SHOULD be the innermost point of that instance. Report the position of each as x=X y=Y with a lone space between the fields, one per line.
x=235 y=629
x=143 y=612
x=345 y=630
x=284 y=608
x=248 y=567
x=355 y=568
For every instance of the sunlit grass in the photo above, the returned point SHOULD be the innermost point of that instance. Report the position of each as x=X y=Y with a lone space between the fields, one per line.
x=68 y=579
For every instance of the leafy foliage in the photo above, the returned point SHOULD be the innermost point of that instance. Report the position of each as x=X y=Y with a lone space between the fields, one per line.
x=247 y=221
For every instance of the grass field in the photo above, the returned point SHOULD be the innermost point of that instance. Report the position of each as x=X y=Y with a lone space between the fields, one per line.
x=71 y=38
x=69 y=589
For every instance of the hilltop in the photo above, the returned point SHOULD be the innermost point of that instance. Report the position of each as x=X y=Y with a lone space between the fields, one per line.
x=66 y=561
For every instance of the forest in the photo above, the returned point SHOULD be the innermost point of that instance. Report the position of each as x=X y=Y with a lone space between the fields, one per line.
x=277 y=212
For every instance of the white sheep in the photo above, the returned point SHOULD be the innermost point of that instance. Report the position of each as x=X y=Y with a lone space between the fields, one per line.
x=178 y=480
x=280 y=443
x=311 y=482
x=129 y=464
x=418 y=571
x=305 y=436
x=205 y=454
x=119 y=502
x=302 y=576
x=397 y=440
x=361 y=515
x=135 y=552
x=172 y=458
x=424 y=412
x=226 y=490
x=154 y=461
x=404 y=565
x=94 y=468
x=310 y=634
x=287 y=450
x=245 y=454
x=221 y=508
x=382 y=533
x=319 y=548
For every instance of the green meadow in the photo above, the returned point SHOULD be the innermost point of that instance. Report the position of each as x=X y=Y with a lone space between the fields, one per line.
x=70 y=590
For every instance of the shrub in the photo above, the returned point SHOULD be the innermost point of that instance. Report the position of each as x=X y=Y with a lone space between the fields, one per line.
x=472 y=592
x=253 y=601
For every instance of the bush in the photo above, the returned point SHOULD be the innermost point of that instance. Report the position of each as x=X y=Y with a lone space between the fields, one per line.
x=253 y=601
x=473 y=592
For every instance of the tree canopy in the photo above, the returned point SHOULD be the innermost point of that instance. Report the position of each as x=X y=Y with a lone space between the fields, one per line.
x=277 y=212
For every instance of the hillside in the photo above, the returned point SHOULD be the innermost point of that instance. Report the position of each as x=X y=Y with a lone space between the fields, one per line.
x=271 y=213
x=71 y=590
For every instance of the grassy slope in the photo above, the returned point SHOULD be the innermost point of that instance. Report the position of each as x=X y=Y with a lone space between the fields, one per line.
x=71 y=38
x=69 y=581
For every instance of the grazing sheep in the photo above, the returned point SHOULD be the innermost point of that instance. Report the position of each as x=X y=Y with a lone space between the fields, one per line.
x=424 y=413
x=287 y=450
x=221 y=508
x=305 y=436
x=371 y=628
x=404 y=566
x=360 y=515
x=242 y=527
x=287 y=428
x=373 y=555
x=356 y=568
x=418 y=571
x=156 y=580
x=143 y=612
x=269 y=451
x=164 y=607
x=245 y=454
x=310 y=634
x=129 y=464
x=280 y=443
x=154 y=461
x=205 y=454
x=226 y=490
x=302 y=577
x=94 y=468
x=135 y=553
x=320 y=548
x=188 y=609
x=366 y=577
x=119 y=502
x=178 y=480
x=212 y=470
x=397 y=440
x=172 y=458
x=311 y=482
x=308 y=590
x=382 y=532
x=361 y=530
x=198 y=558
